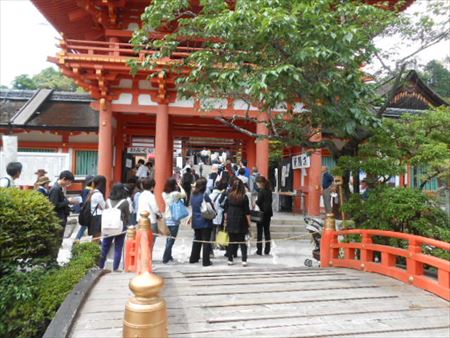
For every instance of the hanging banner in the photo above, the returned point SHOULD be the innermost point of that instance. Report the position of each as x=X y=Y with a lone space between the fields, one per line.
x=301 y=161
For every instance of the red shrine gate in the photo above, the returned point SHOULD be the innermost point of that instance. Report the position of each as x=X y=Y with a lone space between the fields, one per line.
x=95 y=51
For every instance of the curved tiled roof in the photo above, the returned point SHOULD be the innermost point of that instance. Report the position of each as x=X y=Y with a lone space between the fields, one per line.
x=60 y=110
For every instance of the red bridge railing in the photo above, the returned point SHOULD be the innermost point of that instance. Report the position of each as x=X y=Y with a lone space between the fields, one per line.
x=370 y=257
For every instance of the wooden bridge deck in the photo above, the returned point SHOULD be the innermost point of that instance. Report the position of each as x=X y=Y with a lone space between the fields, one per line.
x=273 y=301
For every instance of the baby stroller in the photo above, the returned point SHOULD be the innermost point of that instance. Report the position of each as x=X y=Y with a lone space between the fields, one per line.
x=314 y=227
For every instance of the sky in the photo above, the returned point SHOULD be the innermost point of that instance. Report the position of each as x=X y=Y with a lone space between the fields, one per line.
x=27 y=39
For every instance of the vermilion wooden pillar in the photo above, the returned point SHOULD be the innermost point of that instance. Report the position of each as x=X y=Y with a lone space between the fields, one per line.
x=119 y=151
x=314 y=184
x=105 y=148
x=170 y=153
x=162 y=151
x=314 y=181
x=262 y=147
x=250 y=148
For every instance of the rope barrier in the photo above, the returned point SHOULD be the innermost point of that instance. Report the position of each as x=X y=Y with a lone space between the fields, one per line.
x=306 y=236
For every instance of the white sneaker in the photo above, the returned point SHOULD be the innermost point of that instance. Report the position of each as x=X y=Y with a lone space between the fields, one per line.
x=230 y=263
x=244 y=263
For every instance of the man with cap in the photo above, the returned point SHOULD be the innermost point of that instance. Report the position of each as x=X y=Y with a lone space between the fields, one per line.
x=43 y=185
x=39 y=173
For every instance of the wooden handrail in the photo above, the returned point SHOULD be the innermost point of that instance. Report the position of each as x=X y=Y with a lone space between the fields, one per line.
x=339 y=254
x=399 y=235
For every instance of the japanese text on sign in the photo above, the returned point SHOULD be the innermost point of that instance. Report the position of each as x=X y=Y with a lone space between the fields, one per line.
x=301 y=161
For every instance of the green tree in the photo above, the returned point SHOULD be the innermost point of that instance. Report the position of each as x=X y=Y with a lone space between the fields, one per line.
x=438 y=78
x=47 y=78
x=273 y=54
x=23 y=81
x=419 y=140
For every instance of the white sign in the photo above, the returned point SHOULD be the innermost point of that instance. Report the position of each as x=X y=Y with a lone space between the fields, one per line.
x=140 y=150
x=9 y=152
x=128 y=163
x=53 y=163
x=301 y=161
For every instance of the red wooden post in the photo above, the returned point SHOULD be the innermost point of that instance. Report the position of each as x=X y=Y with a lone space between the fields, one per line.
x=366 y=254
x=262 y=146
x=105 y=149
x=328 y=237
x=162 y=151
x=413 y=267
x=130 y=250
x=144 y=244
x=250 y=149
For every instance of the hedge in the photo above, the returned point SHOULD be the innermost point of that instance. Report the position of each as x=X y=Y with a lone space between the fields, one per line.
x=30 y=232
x=30 y=299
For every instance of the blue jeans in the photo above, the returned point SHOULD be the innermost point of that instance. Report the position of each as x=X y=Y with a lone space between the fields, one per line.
x=118 y=245
x=169 y=242
x=80 y=233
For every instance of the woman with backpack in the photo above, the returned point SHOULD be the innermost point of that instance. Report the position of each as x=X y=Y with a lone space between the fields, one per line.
x=173 y=192
x=237 y=220
x=118 y=200
x=97 y=201
x=202 y=226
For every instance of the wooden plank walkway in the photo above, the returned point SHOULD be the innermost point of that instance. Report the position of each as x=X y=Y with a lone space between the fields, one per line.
x=273 y=301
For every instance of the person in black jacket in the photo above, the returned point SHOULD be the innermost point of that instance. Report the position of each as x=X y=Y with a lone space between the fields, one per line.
x=264 y=202
x=237 y=220
x=59 y=200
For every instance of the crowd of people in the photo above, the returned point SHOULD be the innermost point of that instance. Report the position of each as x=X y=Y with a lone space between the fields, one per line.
x=232 y=191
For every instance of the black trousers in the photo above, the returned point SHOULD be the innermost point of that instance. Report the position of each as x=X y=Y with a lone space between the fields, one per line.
x=263 y=228
x=187 y=189
x=201 y=235
x=232 y=248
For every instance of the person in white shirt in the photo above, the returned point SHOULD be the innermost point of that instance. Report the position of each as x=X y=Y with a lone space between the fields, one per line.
x=147 y=202
x=242 y=177
x=13 y=171
x=142 y=172
x=98 y=204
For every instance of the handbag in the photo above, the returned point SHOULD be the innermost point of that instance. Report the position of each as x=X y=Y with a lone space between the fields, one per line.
x=178 y=211
x=163 y=229
x=256 y=216
x=222 y=238
x=207 y=210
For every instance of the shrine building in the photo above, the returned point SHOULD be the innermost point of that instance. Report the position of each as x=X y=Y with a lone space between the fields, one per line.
x=122 y=117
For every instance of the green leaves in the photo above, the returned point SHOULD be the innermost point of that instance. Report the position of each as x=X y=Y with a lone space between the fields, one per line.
x=47 y=78
x=421 y=140
x=29 y=230
x=273 y=53
x=399 y=209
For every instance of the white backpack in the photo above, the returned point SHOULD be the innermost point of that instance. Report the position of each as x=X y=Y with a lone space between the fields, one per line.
x=112 y=223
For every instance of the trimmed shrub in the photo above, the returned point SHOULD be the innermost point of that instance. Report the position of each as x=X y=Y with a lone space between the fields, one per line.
x=30 y=233
x=402 y=210
x=29 y=300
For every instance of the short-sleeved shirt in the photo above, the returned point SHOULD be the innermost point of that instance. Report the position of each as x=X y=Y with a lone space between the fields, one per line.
x=7 y=182
x=97 y=203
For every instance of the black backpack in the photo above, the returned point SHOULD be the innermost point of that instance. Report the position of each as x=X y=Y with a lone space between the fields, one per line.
x=84 y=218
